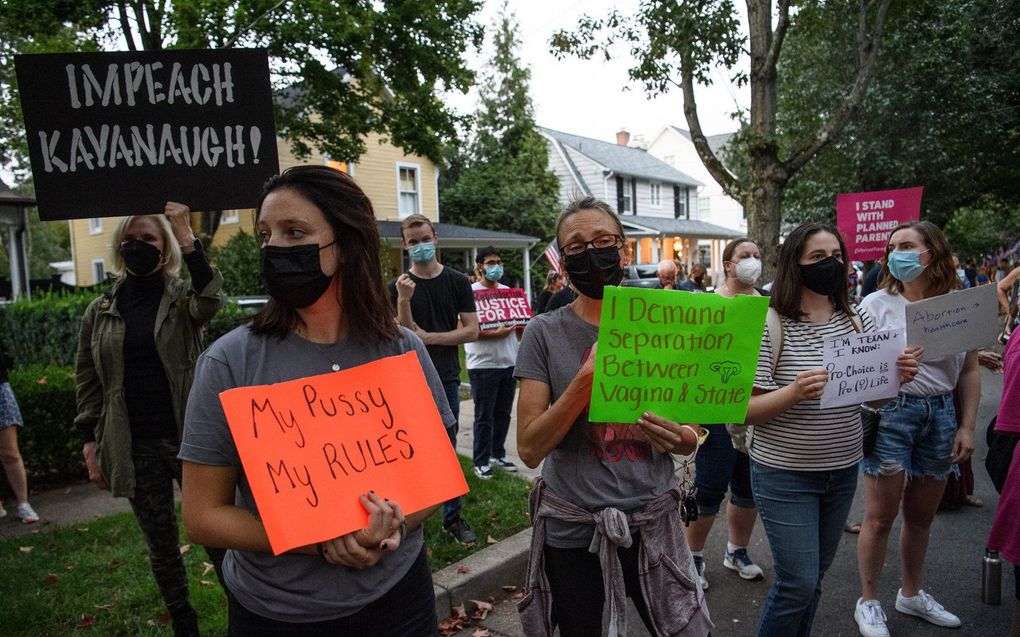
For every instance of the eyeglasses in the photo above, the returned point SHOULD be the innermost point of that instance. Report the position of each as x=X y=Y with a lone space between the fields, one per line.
x=603 y=241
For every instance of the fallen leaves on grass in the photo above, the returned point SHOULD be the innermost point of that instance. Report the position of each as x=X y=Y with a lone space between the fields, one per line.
x=205 y=582
x=104 y=606
x=86 y=621
x=490 y=540
x=115 y=564
x=206 y=568
x=52 y=578
x=26 y=549
x=185 y=548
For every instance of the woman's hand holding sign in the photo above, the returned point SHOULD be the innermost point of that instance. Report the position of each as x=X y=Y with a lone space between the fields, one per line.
x=909 y=363
x=810 y=384
x=667 y=436
x=365 y=547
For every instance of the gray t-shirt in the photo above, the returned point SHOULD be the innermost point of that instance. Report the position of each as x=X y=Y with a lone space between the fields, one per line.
x=596 y=465
x=291 y=587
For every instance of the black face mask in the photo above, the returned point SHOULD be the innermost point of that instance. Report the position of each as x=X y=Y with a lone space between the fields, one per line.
x=825 y=276
x=293 y=276
x=141 y=258
x=594 y=269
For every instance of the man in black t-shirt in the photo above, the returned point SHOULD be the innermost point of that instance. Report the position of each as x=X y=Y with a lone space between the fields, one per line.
x=437 y=304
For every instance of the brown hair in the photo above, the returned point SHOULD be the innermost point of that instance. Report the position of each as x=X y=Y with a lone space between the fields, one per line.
x=551 y=278
x=345 y=206
x=788 y=287
x=415 y=220
x=731 y=247
x=587 y=203
x=940 y=271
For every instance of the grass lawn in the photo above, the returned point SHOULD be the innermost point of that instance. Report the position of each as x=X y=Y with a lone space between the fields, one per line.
x=94 y=578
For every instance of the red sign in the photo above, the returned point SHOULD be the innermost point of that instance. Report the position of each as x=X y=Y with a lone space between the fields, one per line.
x=311 y=446
x=866 y=219
x=503 y=307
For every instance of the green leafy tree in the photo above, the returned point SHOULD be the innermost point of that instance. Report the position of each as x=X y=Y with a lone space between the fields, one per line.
x=359 y=66
x=240 y=264
x=941 y=113
x=676 y=44
x=502 y=181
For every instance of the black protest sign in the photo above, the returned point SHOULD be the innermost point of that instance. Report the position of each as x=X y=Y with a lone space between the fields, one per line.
x=113 y=134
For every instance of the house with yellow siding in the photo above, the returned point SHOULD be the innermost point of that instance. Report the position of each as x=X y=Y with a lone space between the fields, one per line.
x=397 y=183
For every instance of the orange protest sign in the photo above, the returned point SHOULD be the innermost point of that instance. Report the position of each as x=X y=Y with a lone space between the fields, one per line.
x=311 y=446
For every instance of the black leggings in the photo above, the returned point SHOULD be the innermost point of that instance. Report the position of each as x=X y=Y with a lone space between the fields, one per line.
x=406 y=610
x=575 y=578
x=156 y=468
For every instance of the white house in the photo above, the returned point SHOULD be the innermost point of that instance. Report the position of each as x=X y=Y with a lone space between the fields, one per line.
x=654 y=200
x=674 y=147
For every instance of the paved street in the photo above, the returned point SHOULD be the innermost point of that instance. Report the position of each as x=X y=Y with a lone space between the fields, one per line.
x=953 y=570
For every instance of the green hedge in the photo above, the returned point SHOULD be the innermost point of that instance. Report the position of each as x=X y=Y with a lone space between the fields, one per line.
x=49 y=442
x=44 y=330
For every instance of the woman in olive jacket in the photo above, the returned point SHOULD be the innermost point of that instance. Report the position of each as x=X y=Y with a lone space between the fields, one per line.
x=136 y=360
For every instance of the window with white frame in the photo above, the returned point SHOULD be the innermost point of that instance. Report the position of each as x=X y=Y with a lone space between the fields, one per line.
x=626 y=195
x=95 y=225
x=98 y=270
x=229 y=216
x=408 y=189
x=656 y=194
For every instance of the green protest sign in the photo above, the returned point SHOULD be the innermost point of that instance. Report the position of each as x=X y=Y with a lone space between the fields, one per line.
x=688 y=357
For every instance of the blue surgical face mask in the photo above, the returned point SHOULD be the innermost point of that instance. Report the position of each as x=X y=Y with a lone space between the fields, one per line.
x=422 y=252
x=494 y=272
x=905 y=266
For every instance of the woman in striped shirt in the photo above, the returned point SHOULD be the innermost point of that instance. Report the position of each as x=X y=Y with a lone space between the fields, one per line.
x=804 y=458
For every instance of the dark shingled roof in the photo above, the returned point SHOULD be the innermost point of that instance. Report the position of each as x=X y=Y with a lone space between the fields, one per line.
x=454 y=236
x=680 y=227
x=717 y=143
x=623 y=160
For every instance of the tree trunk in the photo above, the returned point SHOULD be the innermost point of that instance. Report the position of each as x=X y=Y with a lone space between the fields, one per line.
x=766 y=205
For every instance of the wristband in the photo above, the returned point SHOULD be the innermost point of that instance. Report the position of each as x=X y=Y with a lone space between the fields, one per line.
x=699 y=437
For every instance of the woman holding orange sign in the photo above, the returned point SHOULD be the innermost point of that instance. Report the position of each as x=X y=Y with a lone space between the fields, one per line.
x=328 y=311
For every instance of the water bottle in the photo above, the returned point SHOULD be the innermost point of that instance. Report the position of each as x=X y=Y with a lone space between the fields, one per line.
x=991 y=578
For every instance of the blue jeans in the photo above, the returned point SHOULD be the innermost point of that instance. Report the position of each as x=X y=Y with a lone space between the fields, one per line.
x=451 y=508
x=718 y=466
x=803 y=513
x=493 y=392
x=916 y=435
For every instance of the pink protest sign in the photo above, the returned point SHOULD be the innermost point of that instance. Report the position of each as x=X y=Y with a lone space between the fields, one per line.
x=502 y=307
x=865 y=219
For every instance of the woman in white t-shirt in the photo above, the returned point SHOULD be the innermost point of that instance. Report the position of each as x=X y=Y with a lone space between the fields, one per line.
x=918 y=441
x=804 y=458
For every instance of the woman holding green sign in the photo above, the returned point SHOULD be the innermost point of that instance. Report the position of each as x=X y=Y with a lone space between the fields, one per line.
x=918 y=443
x=605 y=487
x=804 y=458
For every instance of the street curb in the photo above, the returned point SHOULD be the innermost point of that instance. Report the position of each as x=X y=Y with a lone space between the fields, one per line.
x=482 y=574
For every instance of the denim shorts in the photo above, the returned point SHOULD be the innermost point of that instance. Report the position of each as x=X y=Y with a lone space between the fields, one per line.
x=916 y=435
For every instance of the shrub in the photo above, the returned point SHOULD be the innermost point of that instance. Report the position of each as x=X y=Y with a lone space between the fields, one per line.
x=230 y=316
x=49 y=442
x=240 y=263
x=44 y=330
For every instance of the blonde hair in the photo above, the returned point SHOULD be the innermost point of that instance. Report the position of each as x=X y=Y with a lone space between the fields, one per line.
x=171 y=249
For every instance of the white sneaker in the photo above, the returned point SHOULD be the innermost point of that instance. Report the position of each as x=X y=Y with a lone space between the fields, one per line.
x=924 y=606
x=504 y=464
x=27 y=513
x=484 y=472
x=740 y=562
x=699 y=566
x=870 y=618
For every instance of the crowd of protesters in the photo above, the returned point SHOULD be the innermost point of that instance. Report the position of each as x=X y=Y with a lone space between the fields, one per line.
x=605 y=527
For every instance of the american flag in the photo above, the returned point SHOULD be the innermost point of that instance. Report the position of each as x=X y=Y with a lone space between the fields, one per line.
x=552 y=255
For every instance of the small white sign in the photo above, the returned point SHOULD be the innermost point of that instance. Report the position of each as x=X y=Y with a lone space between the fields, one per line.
x=955 y=322
x=862 y=367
